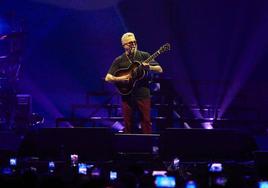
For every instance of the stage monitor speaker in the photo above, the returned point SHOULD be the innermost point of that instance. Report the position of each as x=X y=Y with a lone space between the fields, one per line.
x=206 y=145
x=91 y=144
x=136 y=143
x=136 y=146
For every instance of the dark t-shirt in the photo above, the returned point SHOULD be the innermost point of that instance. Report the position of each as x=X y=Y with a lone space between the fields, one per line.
x=141 y=89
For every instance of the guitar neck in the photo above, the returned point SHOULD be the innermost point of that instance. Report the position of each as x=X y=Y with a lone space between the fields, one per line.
x=149 y=59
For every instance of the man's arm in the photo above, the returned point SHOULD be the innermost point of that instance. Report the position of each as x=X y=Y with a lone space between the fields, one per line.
x=153 y=65
x=112 y=79
x=156 y=68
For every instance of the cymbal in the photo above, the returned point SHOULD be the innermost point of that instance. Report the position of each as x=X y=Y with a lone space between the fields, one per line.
x=12 y=35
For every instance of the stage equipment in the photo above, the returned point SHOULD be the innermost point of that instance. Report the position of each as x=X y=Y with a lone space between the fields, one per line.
x=206 y=145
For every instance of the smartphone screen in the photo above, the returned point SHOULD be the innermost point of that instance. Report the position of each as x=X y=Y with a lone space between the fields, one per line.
x=51 y=166
x=113 y=175
x=82 y=168
x=190 y=184
x=216 y=167
x=159 y=173
x=13 y=162
x=74 y=159
x=96 y=172
x=263 y=184
x=165 y=181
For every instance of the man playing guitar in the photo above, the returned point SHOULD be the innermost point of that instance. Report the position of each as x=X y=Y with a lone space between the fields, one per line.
x=129 y=70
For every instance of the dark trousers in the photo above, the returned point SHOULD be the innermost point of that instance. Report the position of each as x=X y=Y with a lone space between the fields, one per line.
x=144 y=107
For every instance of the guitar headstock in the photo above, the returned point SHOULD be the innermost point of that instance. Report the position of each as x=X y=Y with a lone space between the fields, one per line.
x=164 y=48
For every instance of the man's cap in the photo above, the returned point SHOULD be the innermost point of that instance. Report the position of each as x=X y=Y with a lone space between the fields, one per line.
x=127 y=37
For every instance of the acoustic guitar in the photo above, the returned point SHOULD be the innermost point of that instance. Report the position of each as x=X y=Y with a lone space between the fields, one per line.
x=136 y=71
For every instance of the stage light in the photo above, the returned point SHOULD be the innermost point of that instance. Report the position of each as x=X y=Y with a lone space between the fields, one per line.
x=117 y=126
x=207 y=125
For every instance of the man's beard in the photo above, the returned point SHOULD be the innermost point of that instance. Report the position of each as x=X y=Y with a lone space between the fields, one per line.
x=132 y=50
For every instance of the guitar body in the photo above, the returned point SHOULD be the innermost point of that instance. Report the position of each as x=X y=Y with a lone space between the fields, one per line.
x=135 y=72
